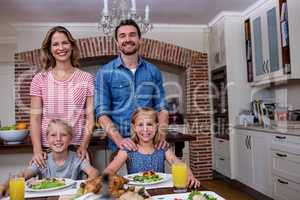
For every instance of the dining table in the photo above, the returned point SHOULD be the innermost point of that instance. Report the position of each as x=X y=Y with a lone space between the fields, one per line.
x=152 y=192
x=161 y=188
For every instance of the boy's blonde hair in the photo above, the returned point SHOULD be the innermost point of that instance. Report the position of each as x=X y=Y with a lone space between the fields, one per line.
x=61 y=122
x=151 y=113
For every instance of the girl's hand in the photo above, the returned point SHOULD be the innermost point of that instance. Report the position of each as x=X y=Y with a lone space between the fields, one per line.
x=193 y=182
x=39 y=158
x=3 y=190
x=82 y=153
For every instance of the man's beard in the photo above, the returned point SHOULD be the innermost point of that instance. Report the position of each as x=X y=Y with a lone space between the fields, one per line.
x=129 y=53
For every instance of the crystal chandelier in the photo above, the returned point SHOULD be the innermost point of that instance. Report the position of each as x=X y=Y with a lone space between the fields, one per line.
x=120 y=10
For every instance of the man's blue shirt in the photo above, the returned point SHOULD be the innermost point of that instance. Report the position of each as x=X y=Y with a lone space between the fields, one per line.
x=119 y=92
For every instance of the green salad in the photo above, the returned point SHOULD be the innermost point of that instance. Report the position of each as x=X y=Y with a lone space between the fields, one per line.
x=8 y=128
x=147 y=179
x=197 y=193
x=48 y=183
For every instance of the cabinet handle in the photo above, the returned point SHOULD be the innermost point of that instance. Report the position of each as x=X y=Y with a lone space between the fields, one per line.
x=249 y=142
x=221 y=159
x=263 y=67
x=268 y=70
x=221 y=141
x=282 y=182
x=280 y=137
x=281 y=155
x=246 y=143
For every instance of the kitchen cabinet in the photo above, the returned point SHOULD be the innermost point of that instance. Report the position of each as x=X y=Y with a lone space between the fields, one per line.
x=285 y=167
x=293 y=58
x=222 y=156
x=217 y=45
x=266 y=36
x=252 y=166
x=243 y=159
x=273 y=48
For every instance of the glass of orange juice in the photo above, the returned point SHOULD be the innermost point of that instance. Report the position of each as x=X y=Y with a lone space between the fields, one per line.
x=180 y=176
x=16 y=187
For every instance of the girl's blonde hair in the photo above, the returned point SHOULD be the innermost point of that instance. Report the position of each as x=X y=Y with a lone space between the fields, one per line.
x=61 y=122
x=149 y=112
x=48 y=60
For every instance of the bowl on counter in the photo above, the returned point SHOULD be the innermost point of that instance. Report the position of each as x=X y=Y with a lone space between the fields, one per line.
x=13 y=136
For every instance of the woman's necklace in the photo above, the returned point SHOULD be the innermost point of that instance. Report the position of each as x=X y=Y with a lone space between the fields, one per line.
x=63 y=75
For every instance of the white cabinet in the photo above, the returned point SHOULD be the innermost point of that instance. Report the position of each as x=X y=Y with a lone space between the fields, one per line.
x=274 y=41
x=293 y=7
x=286 y=167
x=217 y=45
x=222 y=156
x=266 y=51
x=243 y=159
x=252 y=166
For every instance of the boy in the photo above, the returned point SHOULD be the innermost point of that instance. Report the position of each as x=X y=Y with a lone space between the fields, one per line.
x=61 y=163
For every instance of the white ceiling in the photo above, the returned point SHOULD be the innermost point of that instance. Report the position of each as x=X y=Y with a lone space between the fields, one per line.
x=88 y=11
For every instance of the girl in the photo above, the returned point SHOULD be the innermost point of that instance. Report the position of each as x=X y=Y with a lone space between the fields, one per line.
x=61 y=91
x=61 y=163
x=145 y=134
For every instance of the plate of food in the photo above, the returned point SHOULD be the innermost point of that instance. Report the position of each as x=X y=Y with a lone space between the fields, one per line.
x=47 y=184
x=194 y=195
x=146 y=178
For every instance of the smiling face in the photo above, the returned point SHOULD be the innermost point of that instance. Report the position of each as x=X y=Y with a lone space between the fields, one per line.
x=61 y=47
x=58 y=138
x=128 y=41
x=145 y=127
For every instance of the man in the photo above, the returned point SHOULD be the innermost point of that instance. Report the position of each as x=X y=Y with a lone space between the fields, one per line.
x=123 y=85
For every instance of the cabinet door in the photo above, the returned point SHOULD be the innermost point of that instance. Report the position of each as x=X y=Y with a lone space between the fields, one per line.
x=273 y=61
x=260 y=146
x=266 y=51
x=258 y=49
x=244 y=160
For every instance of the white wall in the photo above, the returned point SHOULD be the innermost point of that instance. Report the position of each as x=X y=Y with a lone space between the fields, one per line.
x=7 y=103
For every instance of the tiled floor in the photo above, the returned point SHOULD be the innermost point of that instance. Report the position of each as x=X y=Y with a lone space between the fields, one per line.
x=225 y=190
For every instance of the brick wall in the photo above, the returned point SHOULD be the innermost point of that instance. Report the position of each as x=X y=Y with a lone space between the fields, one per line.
x=196 y=68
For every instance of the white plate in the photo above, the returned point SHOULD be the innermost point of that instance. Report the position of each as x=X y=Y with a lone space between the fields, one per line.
x=184 y=196
x=68 y=182
x=164 y=176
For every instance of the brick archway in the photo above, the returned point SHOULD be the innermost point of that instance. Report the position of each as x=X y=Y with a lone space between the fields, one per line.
x=196 y=71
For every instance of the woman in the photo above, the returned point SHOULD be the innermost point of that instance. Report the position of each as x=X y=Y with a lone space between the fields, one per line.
x=61 y=91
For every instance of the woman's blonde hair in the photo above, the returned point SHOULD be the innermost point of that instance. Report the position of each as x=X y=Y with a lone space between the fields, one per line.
x=48 y=60
x=61 y=122
x=149 y=112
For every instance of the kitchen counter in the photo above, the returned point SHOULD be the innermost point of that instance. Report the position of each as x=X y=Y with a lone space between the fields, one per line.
x=273 y=130
x=99 y=141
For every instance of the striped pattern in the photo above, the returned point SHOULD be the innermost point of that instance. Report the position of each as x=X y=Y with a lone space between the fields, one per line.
x=64 y=100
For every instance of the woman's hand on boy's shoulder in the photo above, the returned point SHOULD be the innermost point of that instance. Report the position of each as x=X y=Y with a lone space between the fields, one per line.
x=39 y=159
x=82 y=153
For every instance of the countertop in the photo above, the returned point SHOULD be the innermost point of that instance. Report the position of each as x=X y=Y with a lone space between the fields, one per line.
x=273 y=130
x=99 y=141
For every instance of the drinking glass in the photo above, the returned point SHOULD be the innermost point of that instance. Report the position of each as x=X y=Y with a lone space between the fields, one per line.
x=180 y=177
x=16 y=187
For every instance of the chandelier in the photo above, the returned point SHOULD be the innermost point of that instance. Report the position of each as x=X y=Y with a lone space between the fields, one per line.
x=121 y=10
